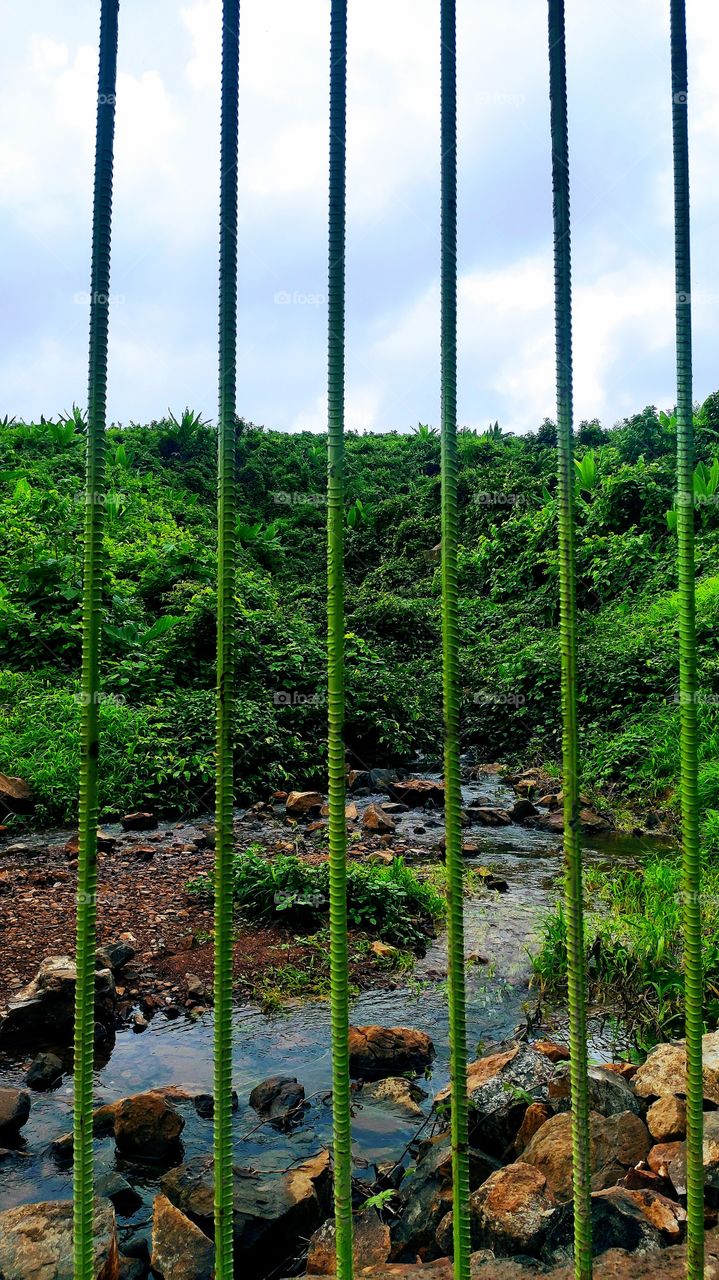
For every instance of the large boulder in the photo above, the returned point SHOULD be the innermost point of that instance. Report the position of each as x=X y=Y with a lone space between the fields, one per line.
x=665 y=1071
x=272 y=1212
x=180 y=1251
x=375 y=819
x=500 y=1087
x=609 y=1093
x=667 y=1119
x=14 y=1111
x=370 y=1245
x=618 y=1222
x=43 y=1012
x=426 y=1196
x=388 y=1051
x=677 y=1167
x=36 y=1242
x=509 y=1214
x=44 y=1072
x=617 y=1144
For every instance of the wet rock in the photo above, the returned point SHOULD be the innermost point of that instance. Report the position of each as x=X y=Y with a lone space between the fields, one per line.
x=618 y=1222
x=535 y=1116
x=489 y=816
x=667 y=1119
x=375 y=819
x=388 y=1051
x=370 y=1245
x=416 y=792
x=45 y=1072
x=204 y=1103
x=500 y=1088
x=609 y=1094
x=14 y=1110
x=665 y=1070
x=426 y=1196
x=44 y=1010
x=617 y=1143
x=398 y=1091
x=112 y=1186
x=36 y=1242
x=15 y=796
x=555 y=1052
x=509 y=1213
x=147 y=1126
x=180 y=1251
x=280 y=1099
x=198 y=990
x=304 y=804
x=138 y=822
x=522 y=809
x=272 y=1212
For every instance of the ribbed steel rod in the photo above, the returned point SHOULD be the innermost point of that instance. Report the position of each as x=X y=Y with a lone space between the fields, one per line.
x=341 y=1118
x=574 y=905
x=691 y=861
x=226 y=622
x=86 y=937
x=450 y=641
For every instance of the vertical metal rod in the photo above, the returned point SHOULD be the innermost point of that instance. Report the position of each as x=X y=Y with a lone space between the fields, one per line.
x=574 y=905
x=226 y=547
x=83 y=1193
x=342 y=1131
x=450 y=642
x=691 y=862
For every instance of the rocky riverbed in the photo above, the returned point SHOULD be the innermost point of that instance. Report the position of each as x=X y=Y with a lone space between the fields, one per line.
x=153 y=1127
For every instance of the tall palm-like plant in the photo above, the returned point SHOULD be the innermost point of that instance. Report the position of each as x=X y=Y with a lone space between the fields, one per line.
x=341 y=1121
x=226 y=550
x=568 y=630
x=91 y=624
x=450 y=640
x=687 y=651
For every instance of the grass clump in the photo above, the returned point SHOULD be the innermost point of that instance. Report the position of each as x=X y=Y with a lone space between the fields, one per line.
x=634 y=943
x=390 y=902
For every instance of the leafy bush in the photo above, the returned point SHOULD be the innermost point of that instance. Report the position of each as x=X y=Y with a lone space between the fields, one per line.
x=390 y=902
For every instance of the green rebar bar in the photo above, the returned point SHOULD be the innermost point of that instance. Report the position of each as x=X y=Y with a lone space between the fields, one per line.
x=574 y=905
x=86 y=935
x=226 y=547
x=691 y=859
x=341 y=1119
x=450 y=643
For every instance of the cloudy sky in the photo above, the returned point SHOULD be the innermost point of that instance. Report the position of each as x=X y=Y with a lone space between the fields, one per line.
x=163 y=318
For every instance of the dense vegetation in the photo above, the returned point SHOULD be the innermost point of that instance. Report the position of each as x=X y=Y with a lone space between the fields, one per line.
x=158 y=592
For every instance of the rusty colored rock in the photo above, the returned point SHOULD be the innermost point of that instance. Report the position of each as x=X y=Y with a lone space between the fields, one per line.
x=617 y=1143
x=667 y=1119
x=371 y=1245
x=388 y=1051
x=180 y=1251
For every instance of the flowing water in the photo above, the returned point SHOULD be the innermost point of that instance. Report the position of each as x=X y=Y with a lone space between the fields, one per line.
x=500 y=929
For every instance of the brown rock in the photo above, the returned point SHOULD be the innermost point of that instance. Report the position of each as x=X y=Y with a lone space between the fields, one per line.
x=664 y=1214
x=555 y=1052
x=180 y=1251
x=667 y=1119
x=14 y=1110
x=398 y=1091
x=147 y=1125
x=510 y=1212
x=138 y=822
x=417 y=791
x=375 y=819
x=678 y=1166
x=36 y=1242
x=665 y=1070
x=388 y=1051
x=617 y=1143
x=303 y=804
x=661 y=1156
x=535 y=1116
x=370 y=1245
x=15 y=795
